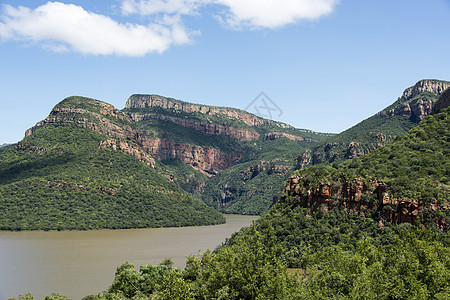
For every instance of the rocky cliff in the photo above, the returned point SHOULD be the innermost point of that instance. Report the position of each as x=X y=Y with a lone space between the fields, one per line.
x=413 y=106
x=404 y=181
x=122 y=135
x=207 y=160
x=156 y=101
x=368 y=198
x=241 y=134
x=102 y=118
x=416 y=103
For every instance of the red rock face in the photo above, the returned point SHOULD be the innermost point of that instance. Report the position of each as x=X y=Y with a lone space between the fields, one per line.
x=240 y=134
x=207 y=160
x=150 y=101
x=117 y=126
x=363 y=198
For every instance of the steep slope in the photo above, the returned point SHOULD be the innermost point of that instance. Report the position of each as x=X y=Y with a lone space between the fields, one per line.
x=371 y=199
x=416 y=103
x=81 y=169
x=406 y=181
x=247 y=158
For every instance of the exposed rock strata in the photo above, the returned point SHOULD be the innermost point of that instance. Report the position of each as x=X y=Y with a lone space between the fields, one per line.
x=277 y=135
x=155 y=101
x=366 y=198
x=207 y=160
x=414 y=107
x=240 y=134
x=122 y=136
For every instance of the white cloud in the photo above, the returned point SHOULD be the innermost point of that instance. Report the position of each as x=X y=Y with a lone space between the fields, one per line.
x=239 y=13
x=67 y=27
x=150 y=7
x=274 y=13
x=61 y=27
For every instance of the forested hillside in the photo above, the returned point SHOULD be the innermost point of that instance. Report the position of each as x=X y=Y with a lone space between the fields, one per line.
x=65 y=175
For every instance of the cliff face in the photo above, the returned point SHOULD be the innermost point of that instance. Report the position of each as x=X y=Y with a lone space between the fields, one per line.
x=207 y=160
x=366 y=198
x=415 y=102
x=122 y=135
x=102 y=118
x=241 y=134
x=443 y=102
x=155 y=101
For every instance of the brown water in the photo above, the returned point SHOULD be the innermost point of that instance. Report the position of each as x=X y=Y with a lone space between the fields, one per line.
x=80 y=263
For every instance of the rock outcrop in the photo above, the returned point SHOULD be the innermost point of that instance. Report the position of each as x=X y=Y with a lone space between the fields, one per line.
x=368 y=198
x=413 y=104
x=156 y=101
x=207 y=160
x=241 y=134
x=121 y=135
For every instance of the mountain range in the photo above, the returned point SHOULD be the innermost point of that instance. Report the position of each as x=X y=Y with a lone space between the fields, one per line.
x=151 y=163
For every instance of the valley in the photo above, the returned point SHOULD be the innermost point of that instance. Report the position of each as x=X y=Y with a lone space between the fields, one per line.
x=363 y=214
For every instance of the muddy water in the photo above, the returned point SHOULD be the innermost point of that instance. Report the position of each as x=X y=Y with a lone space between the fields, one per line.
x=78 y=264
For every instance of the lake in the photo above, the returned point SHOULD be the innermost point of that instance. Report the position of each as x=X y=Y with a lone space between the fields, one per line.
x=80 y=263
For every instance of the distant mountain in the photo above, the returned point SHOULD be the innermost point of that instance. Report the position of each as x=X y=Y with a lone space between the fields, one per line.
x=413 y=106
x=80 y=168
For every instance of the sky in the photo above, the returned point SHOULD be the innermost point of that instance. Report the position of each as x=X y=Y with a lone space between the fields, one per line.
x=325 y=65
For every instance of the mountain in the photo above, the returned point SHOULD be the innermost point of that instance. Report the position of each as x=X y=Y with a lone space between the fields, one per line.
x=80 y=168
x=413 y=106
x=371 y=199
x=244 y=158
x=326 y=229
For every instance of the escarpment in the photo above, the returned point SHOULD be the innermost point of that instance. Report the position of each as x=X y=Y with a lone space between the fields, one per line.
x=368 y=198
x=418 y=101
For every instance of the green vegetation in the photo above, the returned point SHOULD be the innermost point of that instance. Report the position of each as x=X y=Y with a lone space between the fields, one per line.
x=53 y=296
x=414 y=265
x=250 y=186
x=338 y=254
x=185 y=176
x=236 y=189
x=415 y=165
x=59 y=179
x=371 y=133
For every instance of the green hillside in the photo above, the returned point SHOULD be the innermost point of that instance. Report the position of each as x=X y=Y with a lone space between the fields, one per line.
x=415 y=166
x=59 y=177
x=416 y=103
x=338 y=249
x=255 y=183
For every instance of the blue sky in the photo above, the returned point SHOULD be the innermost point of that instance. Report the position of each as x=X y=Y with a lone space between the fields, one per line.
x=327 y=64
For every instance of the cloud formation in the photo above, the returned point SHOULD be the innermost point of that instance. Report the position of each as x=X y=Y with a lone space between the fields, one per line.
x=150 y=7
x=67 y=27
x=62 y=27
x=274 y=13
x=239 y=13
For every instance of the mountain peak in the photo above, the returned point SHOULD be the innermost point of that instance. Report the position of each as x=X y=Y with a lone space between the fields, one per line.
x=433 y=86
